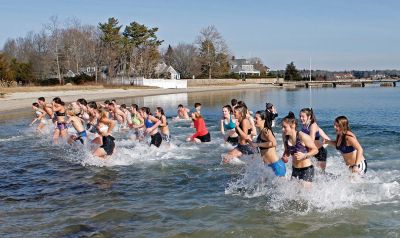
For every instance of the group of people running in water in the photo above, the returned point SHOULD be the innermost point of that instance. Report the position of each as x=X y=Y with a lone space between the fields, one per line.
x=249 y=135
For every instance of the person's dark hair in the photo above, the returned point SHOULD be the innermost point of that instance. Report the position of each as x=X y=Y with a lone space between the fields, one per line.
x=290 y=118
x=146 y=110
x=111 y=104
x=234 y=102
x=113 y=100
x=229 y=108
x=123 y=106
x=161 y=110
x=241 y=103
x=35 y=104
x=107 y=102
x=82 y=101
x=58 y=101
x=135 y=106
x=92 y=105
x=267 y=120
x=197 y=104
x=310 y=113
x=180 y=105
x=42 y=99
x=262 y=114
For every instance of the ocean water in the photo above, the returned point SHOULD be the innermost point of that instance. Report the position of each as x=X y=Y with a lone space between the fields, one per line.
x=182 y=190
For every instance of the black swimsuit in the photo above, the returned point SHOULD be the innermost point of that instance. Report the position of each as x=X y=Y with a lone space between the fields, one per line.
x=260 y=140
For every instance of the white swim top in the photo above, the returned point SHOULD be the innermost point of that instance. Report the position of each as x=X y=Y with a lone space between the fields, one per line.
x=103 y=128
x=38 y=113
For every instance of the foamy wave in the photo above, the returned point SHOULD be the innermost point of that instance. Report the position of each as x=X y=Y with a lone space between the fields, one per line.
x=336 y=190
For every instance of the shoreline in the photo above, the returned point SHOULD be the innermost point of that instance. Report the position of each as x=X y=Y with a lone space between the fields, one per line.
x=14 y=102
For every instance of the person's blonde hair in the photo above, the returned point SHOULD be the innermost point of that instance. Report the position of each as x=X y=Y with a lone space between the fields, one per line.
x=242 y=110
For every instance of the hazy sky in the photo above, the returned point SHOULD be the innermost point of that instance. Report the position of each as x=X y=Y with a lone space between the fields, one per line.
x=336 y=34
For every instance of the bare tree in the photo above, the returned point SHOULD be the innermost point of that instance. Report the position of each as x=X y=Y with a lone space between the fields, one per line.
x=185 y=60
x=212 y=50
x=55 y=34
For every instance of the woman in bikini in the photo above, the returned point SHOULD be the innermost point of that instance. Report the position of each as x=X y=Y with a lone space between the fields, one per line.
x=163 y=125
x=40 y=116
x=346 y=142
x=228 y=124
x=151 y=124
x=243 y=129
x=300 y=147
x=266 y=143
x=59 y=112
x=106 y=141
x=311 y=128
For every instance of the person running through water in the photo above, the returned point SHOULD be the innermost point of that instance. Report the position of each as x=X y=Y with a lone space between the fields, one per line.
x=183 y=113
x=202 y=134
x=76 y=122
x=118 y=115
x=105 y=139
x=151 y=124
x=311 y=128
x=59 y=111
x=271 y=113
x=197 y=107
x=128 y=116
x=300 y=147
x=347 y=143
x=40 y=116
x=243 y=129
x=137 y=122
x=228 y=125
x=47 y=107
x=163 y=125
x=266 y=143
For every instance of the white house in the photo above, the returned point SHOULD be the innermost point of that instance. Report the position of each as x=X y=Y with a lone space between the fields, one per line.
x=162 y=70
x=242 y=66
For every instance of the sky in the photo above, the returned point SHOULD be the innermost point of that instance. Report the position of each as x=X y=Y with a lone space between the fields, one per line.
x=334 y=34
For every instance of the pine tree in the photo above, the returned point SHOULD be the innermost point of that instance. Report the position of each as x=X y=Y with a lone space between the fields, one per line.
x=291 y=73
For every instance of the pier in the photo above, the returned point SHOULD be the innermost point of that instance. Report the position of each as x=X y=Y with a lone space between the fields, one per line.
x=335 y=83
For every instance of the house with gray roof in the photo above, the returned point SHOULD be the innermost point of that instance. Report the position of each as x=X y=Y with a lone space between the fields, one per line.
x=162 y=70
x=242 y=66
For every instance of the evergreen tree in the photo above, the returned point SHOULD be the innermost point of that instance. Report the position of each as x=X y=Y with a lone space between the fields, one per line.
x=111 y=42
x=291 y=73
x=168 y=57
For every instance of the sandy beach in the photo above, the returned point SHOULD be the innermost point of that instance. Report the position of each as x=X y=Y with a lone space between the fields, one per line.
x=13 y=102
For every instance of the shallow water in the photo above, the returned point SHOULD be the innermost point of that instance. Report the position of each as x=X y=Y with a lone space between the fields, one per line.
x=184 y=191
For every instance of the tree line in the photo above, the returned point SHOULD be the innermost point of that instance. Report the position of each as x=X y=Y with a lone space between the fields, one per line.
x=112 y=50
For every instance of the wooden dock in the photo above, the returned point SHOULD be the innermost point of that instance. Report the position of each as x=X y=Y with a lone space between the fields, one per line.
x=335 y=83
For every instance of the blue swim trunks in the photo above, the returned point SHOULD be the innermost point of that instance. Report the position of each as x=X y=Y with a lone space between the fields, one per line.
x=279 y=168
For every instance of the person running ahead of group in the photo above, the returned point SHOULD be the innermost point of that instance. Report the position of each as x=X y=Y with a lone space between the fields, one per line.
x=311 y=128
x=202 y=134
x=300 y=147
x=266 y=143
